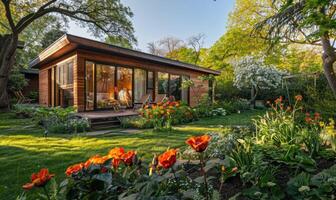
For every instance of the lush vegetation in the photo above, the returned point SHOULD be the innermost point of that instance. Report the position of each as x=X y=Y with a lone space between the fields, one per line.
x=24 y=150
x=288 y=153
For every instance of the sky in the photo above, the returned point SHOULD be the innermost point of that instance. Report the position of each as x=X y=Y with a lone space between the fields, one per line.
x=156 y=19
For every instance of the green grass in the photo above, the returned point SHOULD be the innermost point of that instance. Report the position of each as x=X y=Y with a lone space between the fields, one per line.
x=24 y=150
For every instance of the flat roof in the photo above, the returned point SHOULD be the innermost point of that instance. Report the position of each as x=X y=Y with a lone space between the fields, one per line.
x=68 y=43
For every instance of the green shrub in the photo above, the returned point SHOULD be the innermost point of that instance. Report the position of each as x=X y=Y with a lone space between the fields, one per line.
x=24 y=110
x=60 y=120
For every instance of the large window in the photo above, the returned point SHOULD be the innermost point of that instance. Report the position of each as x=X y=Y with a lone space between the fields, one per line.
x=150 y=84
x=89 y=86
x=175 y=86
x=185 y=91
x=64 y=84
x=139 y=85
x=124 y=86
x=163 y=83
x=171 y=85
x=105 y=86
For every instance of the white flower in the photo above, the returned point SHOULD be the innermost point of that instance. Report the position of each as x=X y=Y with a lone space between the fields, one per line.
x=270 y=184
x=304 y=188
x=257 y=194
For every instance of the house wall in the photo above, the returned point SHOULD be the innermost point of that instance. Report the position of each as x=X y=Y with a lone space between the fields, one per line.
x=44 y=86
x=83 y=55
x=80 y=56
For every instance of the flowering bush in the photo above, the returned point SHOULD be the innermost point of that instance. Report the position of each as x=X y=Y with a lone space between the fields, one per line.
x=165 y=114
x=251 y=71
x=121 y=174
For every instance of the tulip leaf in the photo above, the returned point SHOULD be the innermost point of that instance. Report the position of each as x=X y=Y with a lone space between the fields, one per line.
x=64 y=183
x=107 y=178
x=199 y=179
x=189 y=194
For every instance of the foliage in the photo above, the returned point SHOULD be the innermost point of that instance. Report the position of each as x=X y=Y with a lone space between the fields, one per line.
x=328 y=134
x=165 y=114
x=278 y=126
x=319 y=186
x=119 y=41
x=233 y=106
x=17 y=80
x=24 y=110
x=59 y=120
x=252 y=72
x=53 y=120
x=165 y=179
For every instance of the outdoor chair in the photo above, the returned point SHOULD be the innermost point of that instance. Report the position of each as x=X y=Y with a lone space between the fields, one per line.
x=21 y=98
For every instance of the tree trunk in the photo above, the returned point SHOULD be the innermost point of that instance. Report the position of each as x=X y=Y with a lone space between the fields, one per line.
x=329 y=58
x=7 y=59
x=254 y=93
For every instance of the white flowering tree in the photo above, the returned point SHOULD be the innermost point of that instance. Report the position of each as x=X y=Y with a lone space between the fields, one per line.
x=252 y=73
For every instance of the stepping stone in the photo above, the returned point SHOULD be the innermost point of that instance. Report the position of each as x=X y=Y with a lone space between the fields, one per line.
x=130 y=131
x=97 y=133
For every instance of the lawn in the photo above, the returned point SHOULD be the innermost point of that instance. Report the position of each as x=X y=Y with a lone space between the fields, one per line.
x=24 y=150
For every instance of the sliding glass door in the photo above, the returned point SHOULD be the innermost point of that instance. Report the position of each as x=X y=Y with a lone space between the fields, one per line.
x=105 y=81
x=139 y=85
x=125 y=86
x=63 y=85
x=89 y=86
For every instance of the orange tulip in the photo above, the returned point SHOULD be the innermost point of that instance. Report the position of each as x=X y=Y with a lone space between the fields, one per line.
x=96 y=160
x=199 y=143
x=39 y=179
x=74 y=169
x=298 y=97
x=115 y=163
x=128 y=158
x=168 y=158
x=278 y=100
x=116 y=152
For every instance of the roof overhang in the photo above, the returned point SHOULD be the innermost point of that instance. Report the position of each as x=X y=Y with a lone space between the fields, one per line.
x=68 y=43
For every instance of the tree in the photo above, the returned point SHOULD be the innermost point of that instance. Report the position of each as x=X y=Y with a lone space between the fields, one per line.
x=119 y=41
x=165 y=46
x=196 y=42
x=252 y=72
x=100 y=17
x=51 y=35
x=304 y=22
x=155 y=49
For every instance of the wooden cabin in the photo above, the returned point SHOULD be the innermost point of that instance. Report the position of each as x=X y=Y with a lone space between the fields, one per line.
x=91 y=76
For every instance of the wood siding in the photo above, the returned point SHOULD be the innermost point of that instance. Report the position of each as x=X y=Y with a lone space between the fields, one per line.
x=80 y=56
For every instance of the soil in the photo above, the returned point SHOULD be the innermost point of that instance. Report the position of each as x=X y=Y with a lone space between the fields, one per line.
x=234 y=185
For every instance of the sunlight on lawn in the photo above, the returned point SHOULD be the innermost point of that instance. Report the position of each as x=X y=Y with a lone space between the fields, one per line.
x=25 y=150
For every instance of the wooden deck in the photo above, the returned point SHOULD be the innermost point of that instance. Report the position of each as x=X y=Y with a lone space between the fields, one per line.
x=107 y=114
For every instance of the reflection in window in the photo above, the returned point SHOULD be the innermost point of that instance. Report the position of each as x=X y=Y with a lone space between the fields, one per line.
x=185 y=91
x=150 y=84
x=105 y=86
x=89 y=86
x=139 y=85
x=163 y=83
x=64 y=84
x=175 y=86
x=124 y=86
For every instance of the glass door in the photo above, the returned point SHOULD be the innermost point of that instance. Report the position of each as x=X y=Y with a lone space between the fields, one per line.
x=105 y=81
x=125 y=86
x=139 y=85
x=89 y=86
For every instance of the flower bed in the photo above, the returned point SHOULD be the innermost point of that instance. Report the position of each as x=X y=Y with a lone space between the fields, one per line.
x=287 y=155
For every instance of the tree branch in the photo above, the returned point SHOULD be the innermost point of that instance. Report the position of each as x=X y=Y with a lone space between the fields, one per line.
x=9 y=15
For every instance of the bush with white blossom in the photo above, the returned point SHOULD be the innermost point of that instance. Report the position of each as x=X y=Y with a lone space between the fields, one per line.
x=252 y=71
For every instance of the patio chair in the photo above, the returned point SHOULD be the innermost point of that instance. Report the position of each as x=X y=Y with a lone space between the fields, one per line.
x=145 y=99
x=21 y=98
x=160 y=98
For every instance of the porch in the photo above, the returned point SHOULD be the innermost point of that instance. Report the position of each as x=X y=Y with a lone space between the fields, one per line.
x=106 y=119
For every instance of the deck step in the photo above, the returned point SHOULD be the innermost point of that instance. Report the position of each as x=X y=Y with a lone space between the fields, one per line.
x=104 y=123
